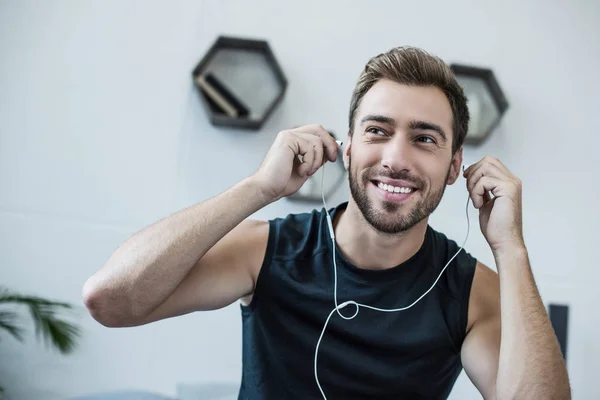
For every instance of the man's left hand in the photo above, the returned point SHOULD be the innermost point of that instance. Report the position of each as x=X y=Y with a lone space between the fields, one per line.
x=500 y=216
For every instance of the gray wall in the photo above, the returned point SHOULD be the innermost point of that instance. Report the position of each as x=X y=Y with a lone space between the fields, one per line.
x=101 y=134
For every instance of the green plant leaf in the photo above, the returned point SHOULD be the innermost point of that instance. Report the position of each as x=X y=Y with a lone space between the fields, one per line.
x=48 y=326
x=52 y=330
x=7 y=322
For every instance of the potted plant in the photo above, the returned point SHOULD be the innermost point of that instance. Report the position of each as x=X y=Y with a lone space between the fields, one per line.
x=50 y=328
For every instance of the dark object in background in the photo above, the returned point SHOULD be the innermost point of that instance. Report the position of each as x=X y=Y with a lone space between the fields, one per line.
x=486 y=101
x=243 y=82
x=559 y=317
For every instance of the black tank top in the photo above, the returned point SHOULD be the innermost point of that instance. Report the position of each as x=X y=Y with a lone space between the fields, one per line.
x=411 y=354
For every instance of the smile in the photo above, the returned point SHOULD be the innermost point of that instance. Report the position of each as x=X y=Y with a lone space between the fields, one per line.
x=396 y=193
x=394 y=189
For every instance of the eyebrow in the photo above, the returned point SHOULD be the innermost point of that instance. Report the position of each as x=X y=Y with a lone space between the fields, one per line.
x=378 y=118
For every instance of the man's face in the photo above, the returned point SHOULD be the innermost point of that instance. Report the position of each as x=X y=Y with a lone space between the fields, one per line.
x=399 y=157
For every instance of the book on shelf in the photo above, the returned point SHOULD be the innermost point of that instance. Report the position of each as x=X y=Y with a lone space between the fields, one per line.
x=220 y=98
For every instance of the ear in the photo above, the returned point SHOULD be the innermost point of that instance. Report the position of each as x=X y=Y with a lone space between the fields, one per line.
x=455 y=167
x=346 y=151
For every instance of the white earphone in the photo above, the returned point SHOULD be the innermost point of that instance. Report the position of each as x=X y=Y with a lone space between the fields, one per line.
x=337 y=307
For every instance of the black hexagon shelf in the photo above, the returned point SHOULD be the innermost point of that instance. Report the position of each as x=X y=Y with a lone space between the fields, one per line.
x=486 y=100
x=240 y=82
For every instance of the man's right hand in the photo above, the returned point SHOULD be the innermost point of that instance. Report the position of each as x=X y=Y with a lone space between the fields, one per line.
x=281 y=172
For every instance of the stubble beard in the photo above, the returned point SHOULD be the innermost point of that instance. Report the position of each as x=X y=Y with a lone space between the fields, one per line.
x=390 y=220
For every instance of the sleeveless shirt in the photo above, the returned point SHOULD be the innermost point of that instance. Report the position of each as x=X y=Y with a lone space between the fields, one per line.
x=410 y=354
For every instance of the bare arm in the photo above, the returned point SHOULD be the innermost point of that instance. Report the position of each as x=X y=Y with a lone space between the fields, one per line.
x=208 y=255
x=531 y=364
x=138 y=282
x=481 y=347
x=226 y=273
x=511 y=351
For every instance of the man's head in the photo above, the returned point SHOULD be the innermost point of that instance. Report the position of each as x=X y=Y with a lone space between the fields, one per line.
x=408 y=120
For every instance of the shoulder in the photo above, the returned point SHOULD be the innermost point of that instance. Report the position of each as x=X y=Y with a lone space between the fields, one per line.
x=249 y=230
x=244 y=245
x=484 y=302
x=284 y=237
x=260 y=241
x=294 y=234
x=458 y=277
x=297 y=222
x=271 y=230
x=469 y=279
x=448 y=247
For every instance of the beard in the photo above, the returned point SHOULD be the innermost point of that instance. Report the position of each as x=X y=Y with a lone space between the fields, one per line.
x=390 y=221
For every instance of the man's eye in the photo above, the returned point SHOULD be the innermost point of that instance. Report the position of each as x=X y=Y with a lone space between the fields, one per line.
x=426 y=139
x=376 y=131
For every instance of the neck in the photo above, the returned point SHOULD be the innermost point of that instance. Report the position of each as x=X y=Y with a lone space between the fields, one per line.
x=368 y=248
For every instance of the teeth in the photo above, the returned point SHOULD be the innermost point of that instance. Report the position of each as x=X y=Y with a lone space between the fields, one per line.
x=394 y=189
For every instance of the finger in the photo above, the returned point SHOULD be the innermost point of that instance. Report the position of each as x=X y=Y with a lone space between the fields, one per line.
x=327 y=139
x=480 y=193
x=481 y=169
x=489 y=166
x=318 y=151
x=499 y=165
x=304 y=149
x=473 y=177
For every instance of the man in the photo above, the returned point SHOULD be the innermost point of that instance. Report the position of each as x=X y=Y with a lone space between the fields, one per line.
x=408 y=118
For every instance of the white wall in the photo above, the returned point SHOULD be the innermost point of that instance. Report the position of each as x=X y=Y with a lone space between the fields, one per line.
x=101 y=134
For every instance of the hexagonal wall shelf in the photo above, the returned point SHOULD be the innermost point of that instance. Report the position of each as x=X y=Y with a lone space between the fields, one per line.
x=240 y=82
x=486 y=100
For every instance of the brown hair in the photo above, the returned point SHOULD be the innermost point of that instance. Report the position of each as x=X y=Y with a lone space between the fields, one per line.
x=413 y=66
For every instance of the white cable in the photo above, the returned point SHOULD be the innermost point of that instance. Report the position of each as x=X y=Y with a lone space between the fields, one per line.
x=358 y=305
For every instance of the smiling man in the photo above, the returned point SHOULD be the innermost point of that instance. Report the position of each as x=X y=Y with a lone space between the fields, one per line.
x=407 y=122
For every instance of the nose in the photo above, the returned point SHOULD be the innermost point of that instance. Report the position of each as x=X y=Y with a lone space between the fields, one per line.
x=396 y=154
